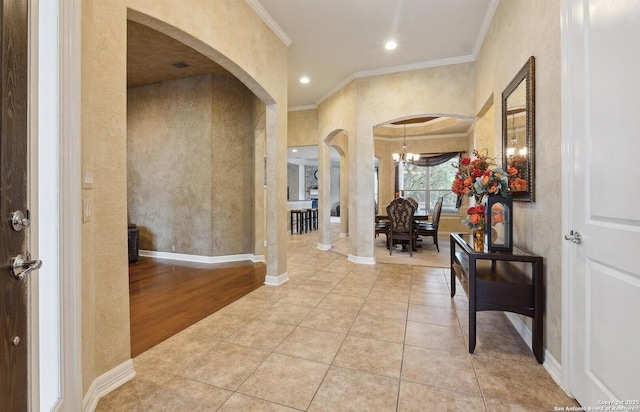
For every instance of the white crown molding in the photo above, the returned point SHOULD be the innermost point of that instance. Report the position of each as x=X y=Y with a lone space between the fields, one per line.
x=300 y=108
x=485 y=27
x=417 y=138
x=269 y=21
x=396 y=69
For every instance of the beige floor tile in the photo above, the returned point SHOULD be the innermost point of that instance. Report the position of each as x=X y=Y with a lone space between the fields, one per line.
x=371 y=356
x=499 y=406
x=261 y=334
x=419 y=398
x=180 y=394
x=352 y=289
x=522 y=383
x=430 y=287
x=385 y=309
x=433 y=314
x=348 y=390
x=285 y=313
x=303 y=297
x=360 y=278
x=419 y=271
x=390 y=295
x=286 y=380
x=175 y=353
x=391 y=330
x=329 y=320
x=438 y=337
x=131 y=393
x=272 y=293
x=312 y=344
x=248 y=308
x=342 y=303
x=226 y=365
x=440 y=300
x=329 y=275
x=321 y=286
x=445 y=370
x=243 y=403
x=217 y=326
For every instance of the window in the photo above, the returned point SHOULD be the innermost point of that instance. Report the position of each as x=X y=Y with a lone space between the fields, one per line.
x=426 y=183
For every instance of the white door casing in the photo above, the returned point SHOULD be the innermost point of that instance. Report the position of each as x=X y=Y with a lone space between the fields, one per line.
x=601 y=101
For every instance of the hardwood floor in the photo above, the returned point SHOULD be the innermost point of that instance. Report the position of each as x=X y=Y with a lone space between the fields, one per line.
x=169 y=296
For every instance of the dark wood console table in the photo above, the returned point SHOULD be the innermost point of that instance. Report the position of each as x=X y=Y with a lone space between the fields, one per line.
x=498 y=281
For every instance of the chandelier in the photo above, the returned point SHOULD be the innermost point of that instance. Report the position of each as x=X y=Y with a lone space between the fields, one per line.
x=405 y=157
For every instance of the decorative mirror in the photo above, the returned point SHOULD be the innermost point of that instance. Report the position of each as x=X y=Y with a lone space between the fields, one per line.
x=518 y=132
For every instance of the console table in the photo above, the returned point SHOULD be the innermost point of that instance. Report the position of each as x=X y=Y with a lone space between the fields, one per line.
x=498 y=281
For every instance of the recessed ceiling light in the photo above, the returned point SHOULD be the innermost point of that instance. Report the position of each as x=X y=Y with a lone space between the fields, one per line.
x=294 y=150
x=390 y=45
x=304 y=80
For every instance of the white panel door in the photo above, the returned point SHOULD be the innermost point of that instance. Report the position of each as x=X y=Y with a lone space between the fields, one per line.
x=604 y=118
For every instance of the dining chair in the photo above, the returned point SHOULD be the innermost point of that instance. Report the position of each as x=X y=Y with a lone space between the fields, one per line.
x=431 y=229
x=401 y=226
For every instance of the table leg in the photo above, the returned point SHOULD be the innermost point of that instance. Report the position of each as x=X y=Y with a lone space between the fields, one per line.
x=538 y=296
x=472 y=304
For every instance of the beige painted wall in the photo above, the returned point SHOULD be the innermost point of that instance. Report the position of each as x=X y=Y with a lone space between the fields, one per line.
x=169 y=164
x=302 y=128
x=183 y=137
x=229 y=32
x=521 y=29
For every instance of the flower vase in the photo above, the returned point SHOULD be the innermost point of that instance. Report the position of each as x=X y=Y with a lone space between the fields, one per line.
x=478 y=239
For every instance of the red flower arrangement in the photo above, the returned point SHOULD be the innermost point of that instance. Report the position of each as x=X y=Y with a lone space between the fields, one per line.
x=476 y=178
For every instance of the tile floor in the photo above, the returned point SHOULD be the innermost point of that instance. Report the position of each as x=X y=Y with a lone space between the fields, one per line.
x=341 y=337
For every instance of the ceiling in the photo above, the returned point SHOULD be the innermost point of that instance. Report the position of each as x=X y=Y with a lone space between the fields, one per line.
x=333 y=42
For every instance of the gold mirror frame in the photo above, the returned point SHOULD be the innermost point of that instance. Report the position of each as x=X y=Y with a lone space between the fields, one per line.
x=518 y=131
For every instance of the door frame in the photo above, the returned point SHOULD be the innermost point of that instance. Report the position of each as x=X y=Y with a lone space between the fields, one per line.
x=69 y=200
x=567 y=142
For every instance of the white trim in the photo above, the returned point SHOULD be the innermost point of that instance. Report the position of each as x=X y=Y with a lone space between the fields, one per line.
x=269 y=21
x=70 y=196
x=550 y=363
x=324 y=247
x=568 y=253
x=395 y=69
x=301 y=108
x=107 y=382
x=344 y=234
x=420 y=137
x=277 y=280
x=485 y=27
x=361 y=259
x=201 y=259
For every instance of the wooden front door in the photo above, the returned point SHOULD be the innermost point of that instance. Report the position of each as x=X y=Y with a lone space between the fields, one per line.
x=14 y=294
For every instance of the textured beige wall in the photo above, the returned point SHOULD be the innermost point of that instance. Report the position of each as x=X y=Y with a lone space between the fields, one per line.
x=368 y=102
x=233 y=35
x=190 y=157
x=521 y=29
x=169 y=164
x=232 y=168
x=302 y=128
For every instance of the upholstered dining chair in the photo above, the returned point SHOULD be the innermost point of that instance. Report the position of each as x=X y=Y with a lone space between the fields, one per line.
x=431 y=229
x=401 y=229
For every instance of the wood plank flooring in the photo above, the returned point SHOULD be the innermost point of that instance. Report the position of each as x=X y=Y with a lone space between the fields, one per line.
x=169 y=296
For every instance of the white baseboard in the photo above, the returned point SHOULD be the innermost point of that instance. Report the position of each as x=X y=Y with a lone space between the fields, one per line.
x=324 y=247
x=276 y=280
x=201 y=259
x=361 y=260
x=107 y=382
x=550 y=363
x=344 y=235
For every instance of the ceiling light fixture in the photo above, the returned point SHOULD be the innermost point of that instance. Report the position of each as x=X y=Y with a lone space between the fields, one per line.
x=390 y=45
x=404 y=157
x=304 y=80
